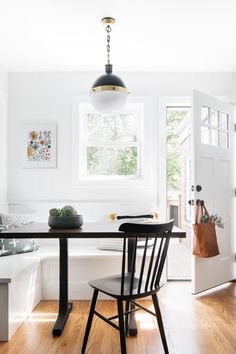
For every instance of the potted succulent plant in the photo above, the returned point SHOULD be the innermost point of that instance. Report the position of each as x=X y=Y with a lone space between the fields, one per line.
x=65 y=218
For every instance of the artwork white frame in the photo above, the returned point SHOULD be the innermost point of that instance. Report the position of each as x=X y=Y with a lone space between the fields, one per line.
x=39 y=145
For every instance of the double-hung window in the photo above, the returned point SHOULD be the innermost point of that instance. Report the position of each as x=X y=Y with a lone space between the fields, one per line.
x=110 y=145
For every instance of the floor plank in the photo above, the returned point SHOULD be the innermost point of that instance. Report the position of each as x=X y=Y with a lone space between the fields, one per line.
x=201 y=324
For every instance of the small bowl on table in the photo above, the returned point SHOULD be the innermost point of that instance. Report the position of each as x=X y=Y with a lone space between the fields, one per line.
x=65 y=222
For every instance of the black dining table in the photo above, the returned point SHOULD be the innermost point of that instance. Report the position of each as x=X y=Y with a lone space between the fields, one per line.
x=88 y=230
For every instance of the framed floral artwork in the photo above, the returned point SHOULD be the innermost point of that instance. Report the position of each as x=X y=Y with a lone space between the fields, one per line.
x=40 y=146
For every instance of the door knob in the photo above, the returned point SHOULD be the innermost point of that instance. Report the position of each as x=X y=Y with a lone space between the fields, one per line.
x=191 y=202
x=198 y=188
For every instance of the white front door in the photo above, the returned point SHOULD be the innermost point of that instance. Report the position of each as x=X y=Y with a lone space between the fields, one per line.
x=212 y=169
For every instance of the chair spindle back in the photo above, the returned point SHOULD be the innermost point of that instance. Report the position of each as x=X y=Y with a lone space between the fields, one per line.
x=147 y=277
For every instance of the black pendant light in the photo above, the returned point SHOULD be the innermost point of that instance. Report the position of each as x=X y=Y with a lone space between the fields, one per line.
x=108 y=93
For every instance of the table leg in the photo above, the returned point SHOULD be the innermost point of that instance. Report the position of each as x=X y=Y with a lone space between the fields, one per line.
x=64 y=306
x=133 y=331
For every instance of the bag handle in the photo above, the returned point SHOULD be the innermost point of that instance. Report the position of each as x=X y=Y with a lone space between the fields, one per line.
x=199 y=210
x=204 y=208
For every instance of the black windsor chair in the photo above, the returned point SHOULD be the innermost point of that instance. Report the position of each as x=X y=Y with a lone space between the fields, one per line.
x=136 y=283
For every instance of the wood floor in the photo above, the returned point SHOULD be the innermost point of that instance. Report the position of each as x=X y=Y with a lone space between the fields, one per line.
x=202 y=324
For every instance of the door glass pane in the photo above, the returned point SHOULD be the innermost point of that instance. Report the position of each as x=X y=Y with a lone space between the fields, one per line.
x=224 y=139
x=223 y=121
x=214 y=118
x=205 y=135
x=205 y=116
x=214 y=137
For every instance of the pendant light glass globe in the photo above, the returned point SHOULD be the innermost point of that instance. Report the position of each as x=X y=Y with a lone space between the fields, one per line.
x=108 y=102
x=108 y=93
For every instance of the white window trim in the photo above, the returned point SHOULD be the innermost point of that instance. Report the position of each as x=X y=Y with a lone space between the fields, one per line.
x=146 y=145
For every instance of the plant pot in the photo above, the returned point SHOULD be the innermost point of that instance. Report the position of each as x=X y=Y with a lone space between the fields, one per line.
x=65 y=222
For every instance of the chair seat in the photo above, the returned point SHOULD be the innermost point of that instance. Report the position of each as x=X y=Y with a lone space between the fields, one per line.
x=112 y=286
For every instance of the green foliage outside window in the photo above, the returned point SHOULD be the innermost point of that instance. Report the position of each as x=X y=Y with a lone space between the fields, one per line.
x=112 y=145
x=111 y=161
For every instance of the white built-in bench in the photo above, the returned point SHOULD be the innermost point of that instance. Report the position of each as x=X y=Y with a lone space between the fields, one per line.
x=20 y=290
x=27 y=278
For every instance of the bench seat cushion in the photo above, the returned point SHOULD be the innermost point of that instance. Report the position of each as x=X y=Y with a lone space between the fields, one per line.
x=14 y=246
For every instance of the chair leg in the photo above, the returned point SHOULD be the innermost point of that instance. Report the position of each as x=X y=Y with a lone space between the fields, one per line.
x=127 y=308
x=121 y=326
x=90 y=319
x=160 y=323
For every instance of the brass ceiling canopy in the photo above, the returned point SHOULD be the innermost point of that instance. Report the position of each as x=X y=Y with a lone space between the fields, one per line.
x=108 y=20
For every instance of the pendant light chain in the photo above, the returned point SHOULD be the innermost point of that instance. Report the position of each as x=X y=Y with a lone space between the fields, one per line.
x=108 y=29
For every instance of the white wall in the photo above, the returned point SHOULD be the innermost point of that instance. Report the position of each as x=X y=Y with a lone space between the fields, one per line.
x=3 y=141
x=47 y=97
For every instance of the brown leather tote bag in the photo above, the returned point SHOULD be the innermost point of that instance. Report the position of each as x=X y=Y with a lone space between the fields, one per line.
x=205 y=241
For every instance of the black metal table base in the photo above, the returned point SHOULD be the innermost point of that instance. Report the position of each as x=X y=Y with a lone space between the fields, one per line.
x=132 y=319
x=65 y=307
x=133 y=331
x=61 y=320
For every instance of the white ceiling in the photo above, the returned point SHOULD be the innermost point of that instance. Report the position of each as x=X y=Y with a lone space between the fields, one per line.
x=150 y=35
